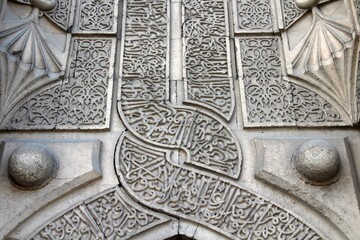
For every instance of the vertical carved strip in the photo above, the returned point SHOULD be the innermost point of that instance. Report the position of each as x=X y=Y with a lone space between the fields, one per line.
x=86 y=92
x=144 y=105
x=207 y=60
x=358 y=88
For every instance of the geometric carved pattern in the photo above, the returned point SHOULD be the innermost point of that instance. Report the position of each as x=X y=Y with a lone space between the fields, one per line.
x=61 y=13
x=148 y=176
x=86 y=93
x=269 y=98
x=206 y=59
x=253 y=15
x=82 y=99
x=291 y=12
x=144 y=91
x=96 y=16
x=109 y=215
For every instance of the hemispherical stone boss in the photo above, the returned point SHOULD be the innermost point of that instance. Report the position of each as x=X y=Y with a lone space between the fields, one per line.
x=32 y=166
x=306 y=4
x=317 y=162
x=44 y=5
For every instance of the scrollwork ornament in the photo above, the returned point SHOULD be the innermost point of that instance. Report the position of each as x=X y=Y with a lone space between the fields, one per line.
x=151 y=178
x=271 y=99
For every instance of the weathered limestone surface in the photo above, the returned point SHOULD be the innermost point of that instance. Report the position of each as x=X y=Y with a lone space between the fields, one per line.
x=139 y=119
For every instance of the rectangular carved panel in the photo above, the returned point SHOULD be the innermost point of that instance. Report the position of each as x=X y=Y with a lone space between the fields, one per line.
x=94 y=16
x=270 y=100
x=207 y=61
x=253 y=16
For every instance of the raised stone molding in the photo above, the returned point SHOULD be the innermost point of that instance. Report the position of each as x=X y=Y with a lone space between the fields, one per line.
x=278 y=170
x=109 y=215
x=149 y=176
x=75 y=170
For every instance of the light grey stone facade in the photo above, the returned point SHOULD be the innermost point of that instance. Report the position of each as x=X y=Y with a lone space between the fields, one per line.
x=158 y=119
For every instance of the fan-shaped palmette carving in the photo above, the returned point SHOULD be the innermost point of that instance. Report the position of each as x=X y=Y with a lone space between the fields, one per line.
x=323 y=58
x=30 y=59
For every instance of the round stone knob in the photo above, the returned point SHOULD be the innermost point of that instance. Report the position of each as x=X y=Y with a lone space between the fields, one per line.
x=306 y=4
x=317 y=162
x=44 y=5
x=32 y=166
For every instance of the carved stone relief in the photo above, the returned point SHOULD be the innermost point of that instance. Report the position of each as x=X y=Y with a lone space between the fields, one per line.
x=32 y=56
x=276 y=63
x=323 y=58
x=253 y=16
x=146 y=111
x=268 y=98
x=109 y=215
x=147 y=175
x=96 y=16
x=74 y=170
x=151 y=176
x=319 y=51
x=207 y=64
x=81 y=100
x=48 y=82
x=279 y=170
